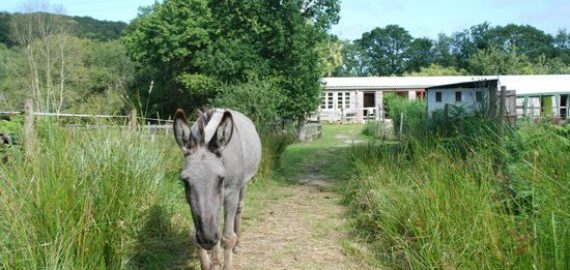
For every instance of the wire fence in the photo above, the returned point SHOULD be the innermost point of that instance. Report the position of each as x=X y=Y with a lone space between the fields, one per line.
x=92 y=116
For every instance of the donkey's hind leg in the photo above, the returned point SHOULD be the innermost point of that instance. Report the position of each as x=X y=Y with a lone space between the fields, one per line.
x=237 y=220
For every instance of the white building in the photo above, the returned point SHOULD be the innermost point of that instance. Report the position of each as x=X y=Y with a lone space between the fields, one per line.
x=361 y=98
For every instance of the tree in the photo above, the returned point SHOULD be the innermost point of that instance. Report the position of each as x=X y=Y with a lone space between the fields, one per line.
x=330 y=55
x=353 y=62
x=200 y=46
x=442 y=54
x=527 y=40
x=170 y=41
x=494 y=61
x=419 y=54
x=44 y=37
x=385 y=49
x=562 y=46
x=437 y=70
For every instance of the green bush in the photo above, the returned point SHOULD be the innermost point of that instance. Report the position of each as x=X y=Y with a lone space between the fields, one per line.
x=414 y=116
x=258 y=100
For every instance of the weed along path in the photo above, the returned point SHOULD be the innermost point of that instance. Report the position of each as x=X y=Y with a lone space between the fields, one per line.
x=299 y=223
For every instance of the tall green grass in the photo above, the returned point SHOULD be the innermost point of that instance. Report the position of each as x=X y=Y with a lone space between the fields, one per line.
x=93 y=199
x=105 y=198
x=424 y=205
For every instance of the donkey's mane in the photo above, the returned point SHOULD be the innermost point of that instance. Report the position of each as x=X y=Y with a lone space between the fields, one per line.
x=208 y=122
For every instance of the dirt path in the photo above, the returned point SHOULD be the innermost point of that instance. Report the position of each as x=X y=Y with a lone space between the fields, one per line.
x=302 y=231
x=301 y=227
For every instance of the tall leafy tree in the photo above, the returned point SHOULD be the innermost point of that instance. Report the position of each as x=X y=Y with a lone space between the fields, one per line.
x=495 y=61
x=562 y=46
x=419 y=54
x=354 y=60
x=442 y=54
x=527 y=39
x=205 y=44
x=386 y=48
x=170 y=41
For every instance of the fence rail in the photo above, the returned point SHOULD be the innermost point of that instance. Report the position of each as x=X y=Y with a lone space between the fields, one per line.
x=71 y=115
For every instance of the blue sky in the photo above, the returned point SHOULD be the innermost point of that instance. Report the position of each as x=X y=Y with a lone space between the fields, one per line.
x=422 y=18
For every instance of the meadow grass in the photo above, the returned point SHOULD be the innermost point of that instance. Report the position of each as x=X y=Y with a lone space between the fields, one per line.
x=102 y=199
x=327 y=156
x=424 y=206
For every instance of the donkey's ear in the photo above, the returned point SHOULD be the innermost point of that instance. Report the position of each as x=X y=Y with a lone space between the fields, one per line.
x=198 y=113
x=223 y=133
x=182 y=132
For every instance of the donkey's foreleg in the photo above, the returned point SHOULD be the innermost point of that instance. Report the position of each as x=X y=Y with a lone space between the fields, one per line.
x=204 y=259
x=216 y=263
x=230 y=238
x=237 y=219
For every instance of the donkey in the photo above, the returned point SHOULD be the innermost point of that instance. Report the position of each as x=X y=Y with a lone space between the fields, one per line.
x=222 y=151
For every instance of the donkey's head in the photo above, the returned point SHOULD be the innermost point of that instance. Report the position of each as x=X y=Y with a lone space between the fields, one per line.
x=204 y=174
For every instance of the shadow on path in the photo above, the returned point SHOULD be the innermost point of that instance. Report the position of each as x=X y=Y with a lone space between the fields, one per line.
x=162 y=244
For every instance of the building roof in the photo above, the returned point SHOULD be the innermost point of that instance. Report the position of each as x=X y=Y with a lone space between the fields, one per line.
x=523 y=84
x=468 y=85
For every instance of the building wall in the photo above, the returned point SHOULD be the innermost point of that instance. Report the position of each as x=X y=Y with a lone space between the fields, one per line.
x=468 y=99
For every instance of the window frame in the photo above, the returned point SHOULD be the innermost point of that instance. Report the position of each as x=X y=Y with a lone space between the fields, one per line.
x=438 y=96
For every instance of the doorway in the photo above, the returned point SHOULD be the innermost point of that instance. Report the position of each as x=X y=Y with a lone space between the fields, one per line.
x=563 y=106
x=369 y=104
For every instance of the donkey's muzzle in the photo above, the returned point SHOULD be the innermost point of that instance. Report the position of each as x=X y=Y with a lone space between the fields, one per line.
x=207 y=242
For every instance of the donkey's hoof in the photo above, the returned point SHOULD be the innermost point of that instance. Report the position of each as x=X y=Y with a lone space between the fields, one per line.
x=237 y=249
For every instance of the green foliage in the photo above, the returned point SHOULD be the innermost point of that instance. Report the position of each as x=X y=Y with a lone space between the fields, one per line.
x=90 y=28
x=414 y=116
x=188 y=43
x=423 y=206
x=60 y=71
x=494 y=61
x=419 y=54
x=330 y=55
x=386 y=49
x=260 y=101
x=437 y=70
x=82 y=27
x=479 y=49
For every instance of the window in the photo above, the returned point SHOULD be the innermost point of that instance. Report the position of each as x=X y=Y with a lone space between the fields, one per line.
x=323 y=101
x=479 y=96
x=458 y=96
x=339 y=99
x=437 y=96
x=329 y=100
x=346 y=100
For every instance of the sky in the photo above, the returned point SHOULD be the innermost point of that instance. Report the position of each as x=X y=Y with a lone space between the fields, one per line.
x=422 y=18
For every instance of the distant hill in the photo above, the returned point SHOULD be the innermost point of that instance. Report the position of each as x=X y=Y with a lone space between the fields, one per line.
x=84 y=27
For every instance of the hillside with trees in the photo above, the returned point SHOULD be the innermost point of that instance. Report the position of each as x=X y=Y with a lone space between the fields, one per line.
x=67 y=64
x=82 y=27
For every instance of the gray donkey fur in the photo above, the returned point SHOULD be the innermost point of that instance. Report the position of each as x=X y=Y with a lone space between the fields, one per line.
x=222 y=152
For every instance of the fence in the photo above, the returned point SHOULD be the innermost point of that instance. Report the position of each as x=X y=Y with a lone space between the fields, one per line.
x=132 y=122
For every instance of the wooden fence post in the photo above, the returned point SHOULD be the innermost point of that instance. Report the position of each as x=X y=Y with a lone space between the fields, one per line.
x=501 y=113
x=133 y=120
x=29 y=134
x=401 y=127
